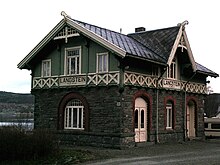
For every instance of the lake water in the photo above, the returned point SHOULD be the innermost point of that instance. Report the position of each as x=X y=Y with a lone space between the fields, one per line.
x=26 y=125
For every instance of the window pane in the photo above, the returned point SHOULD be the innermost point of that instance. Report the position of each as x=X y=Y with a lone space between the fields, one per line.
x=69 y=117
x=142 y=118
x=74 y=117
x=136 y=118
x=215 y=126
x=73 y=61
x=169 y=110
x=80 y=117
x=72 y=66
x=68 y=66
x=46 y=68
x=102 y=62
x=99 y=63
x=66 y=118
x=77 y=66
x=105 y=62
x=170 y=118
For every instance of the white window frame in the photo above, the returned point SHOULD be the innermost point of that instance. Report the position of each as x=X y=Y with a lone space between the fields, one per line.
x=172 y=70
x=102 y=70
x=74 y=105
x=46 y=72
x=66 y=70
x=169 y=116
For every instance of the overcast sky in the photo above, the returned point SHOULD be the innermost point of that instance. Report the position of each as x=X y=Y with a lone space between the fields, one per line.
x=24 y=23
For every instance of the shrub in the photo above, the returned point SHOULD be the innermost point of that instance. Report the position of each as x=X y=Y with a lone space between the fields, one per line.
x=15 y=144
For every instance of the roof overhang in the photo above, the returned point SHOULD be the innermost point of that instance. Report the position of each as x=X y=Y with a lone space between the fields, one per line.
x=40 y=45
x=148 y=60
x=73 y=24
x=97 y=38
x=215 y=75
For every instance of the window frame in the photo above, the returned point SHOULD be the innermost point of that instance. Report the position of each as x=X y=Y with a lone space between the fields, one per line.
x=48 y=73
x=172 y=70
x=69 y=116
x=155 y=71
x=66 y=70
x=102 y=64
x=62 y=105
x=169 y=115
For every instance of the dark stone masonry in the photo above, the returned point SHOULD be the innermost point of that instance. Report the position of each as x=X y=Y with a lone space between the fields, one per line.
x=109 y=115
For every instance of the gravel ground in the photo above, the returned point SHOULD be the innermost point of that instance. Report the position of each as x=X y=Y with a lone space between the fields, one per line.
x=191 y=152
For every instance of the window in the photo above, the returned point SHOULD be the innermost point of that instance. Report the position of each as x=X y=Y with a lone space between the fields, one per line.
x=46 y=68
x=155 y=70
x=171 y=71
x=74 y=115
x=73 y=61
x=169 y=116
x=102 y=62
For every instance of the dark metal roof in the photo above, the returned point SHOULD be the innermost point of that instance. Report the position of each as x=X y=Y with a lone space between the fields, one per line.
x=204 y=70
x=127 y=43
x=155 y=45
x=160 y=41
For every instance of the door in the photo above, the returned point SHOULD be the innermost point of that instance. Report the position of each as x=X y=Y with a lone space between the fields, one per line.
x=191 y=120
x=140 y=120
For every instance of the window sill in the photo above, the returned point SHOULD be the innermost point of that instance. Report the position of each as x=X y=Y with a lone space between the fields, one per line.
x=169 y=129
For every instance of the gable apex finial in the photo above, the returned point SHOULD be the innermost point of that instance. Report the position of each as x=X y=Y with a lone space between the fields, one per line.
x=183 y=23
x=63 y=13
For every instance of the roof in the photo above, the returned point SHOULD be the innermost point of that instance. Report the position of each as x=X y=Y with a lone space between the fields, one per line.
x=204 y=70
x=125 y=42
x=160 y=41
x=157 y=46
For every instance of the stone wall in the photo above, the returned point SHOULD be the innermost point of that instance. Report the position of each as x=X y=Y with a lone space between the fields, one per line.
x=105 y=113
x=111 y=115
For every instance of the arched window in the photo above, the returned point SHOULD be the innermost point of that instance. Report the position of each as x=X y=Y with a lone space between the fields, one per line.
x=73 y=112
x=74 y=115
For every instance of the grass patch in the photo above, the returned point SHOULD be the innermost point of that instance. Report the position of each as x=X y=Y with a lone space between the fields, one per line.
x=63 y=157
x=39 y=147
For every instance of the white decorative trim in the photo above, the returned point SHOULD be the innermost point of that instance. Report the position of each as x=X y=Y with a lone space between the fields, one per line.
x=103 y=78
x=140 y=79
x=113 y=78
x=136 y=79
x=76 y=80
x=45 y=82
x=176 y=43
x=189 y=51
x=66 y=33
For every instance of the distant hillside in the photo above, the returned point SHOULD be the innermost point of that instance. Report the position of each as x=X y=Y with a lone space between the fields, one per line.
x=8 y=97
x=16 y=102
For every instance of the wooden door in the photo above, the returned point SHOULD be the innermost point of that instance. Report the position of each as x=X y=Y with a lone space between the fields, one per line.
x=140 y=120
x=191 y=120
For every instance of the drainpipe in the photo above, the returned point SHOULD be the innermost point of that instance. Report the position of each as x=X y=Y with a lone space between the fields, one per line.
x=185 y=110
x=87 y=45
x=157 y=106
x=157 y=119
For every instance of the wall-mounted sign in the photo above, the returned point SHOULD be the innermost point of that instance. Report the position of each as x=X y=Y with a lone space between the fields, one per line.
x=72 y=80
x=167 y=83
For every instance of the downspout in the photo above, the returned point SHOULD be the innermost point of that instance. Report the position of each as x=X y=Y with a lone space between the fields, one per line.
x=157 y=107
x=185 y=110
x=87 y=45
